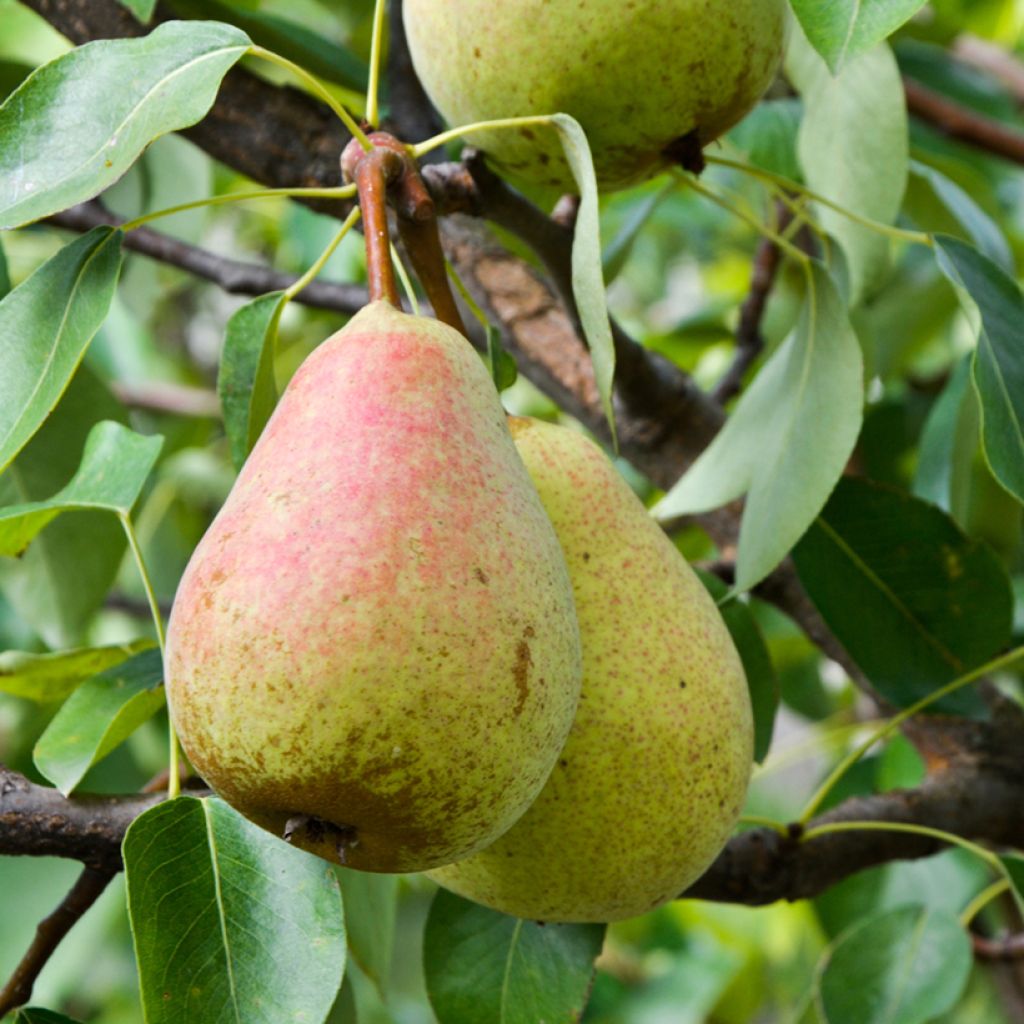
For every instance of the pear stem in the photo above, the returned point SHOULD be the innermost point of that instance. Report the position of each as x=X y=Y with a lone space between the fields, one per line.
x=417 y=225
x=372 y=173
x=983 y=899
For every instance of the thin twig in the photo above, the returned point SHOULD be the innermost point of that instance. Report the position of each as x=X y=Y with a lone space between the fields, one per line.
x=962 y=123
x=49 y=933
x=1007 y=947
x=749 y=339
x=234 y=276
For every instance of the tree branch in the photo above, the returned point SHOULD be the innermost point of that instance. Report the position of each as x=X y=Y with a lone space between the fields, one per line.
x=234 y=276
x=962 y=123
x=49 y=934
x=976 y=793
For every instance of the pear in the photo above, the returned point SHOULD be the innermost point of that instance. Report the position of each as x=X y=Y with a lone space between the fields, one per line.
x=374 y=647
x=651 y=780
x=650 y=81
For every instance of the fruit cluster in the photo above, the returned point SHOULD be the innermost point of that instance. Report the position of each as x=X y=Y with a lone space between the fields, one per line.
x=414 y=639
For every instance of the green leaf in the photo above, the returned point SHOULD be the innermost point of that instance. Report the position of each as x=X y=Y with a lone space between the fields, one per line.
x=36 y=1015
x=616 y=253
x=587 y=271
x=936 y=461
x=142 y=9
x=245 y=382
x=504 y=371
x=762 y=681
x=78 y=123
x=485 y=966
x=999 y=361
x=371 y=903
x=901 y=966
x=310 y=49
x=774 y=446
x=114 y=467
x=51 y=677
x=58 y=584
x=47 y=322
x=930 y=603
x=854 y=151
x=1013 y=865
x=5 y=277
x=976 y=225
x=840 y=30
x=768 y=136
x=102 y=713
x=231 y=924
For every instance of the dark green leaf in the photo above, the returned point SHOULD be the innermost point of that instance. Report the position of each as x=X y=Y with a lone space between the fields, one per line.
x=245 y=383
x=901 y=966
x=503 y=367
x=773 y=445
x=937 y=462
x=78 y=123
x=999 y=362
x=5 y=277
x=12 y=74
x=929 y=603
x=288 y=38
x=35 y=1015
x=230 y=923
x=757 y=662
x=965 y=213
x=1013 y=865
x=103 y=712
x=51 y=677
x=842 y=29
x=485 y=966
x=47 y=322
x=616 y=253
x=587 y=272
x=115 y=465
x=371 y=902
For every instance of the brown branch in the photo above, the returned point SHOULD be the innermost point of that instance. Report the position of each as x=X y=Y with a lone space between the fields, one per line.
x=976 y=793
x=176 y=399
x=49 y=934
x=749 y=340
x=1006 y=947
x=234 y=276
x=38 y=821
x=962 y=123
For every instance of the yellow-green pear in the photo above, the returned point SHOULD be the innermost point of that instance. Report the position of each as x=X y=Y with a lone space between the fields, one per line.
x=374 y=647
x=650 y=81
x=651 y=780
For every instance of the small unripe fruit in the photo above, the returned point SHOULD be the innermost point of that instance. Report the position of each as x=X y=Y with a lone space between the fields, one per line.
x=650 y=81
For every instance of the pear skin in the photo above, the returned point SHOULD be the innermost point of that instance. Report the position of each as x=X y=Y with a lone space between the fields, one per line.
x=374 y=647
x=651 y=780
x=650 y=81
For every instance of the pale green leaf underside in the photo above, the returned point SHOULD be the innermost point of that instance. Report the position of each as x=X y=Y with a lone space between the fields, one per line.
x=789 y=439
x=587 y=270
x=853 y=148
